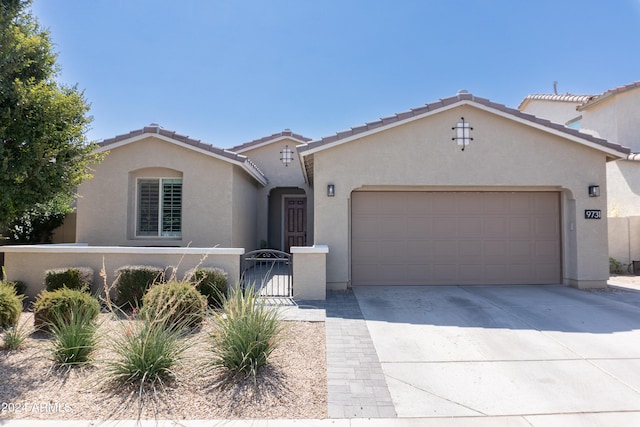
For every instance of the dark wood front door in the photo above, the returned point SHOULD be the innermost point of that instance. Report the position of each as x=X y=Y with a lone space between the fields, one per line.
x=295 y=222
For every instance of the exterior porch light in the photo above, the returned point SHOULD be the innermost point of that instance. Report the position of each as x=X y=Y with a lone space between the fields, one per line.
x=594 y=191
x=331 y=190
x=463 y=133
x=287 y=155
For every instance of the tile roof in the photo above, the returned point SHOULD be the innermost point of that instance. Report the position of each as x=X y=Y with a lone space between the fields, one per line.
x=567 y=97
x=155 y=129
x=462 y=96
x=267 y=139
x=596 y=99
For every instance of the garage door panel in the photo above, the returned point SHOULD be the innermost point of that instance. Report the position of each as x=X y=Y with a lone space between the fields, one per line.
x=456 y=238
x=471 y=226
x=444 y=226
x=495 y=226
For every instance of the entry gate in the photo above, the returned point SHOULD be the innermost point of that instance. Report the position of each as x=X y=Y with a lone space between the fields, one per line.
x=269 y=271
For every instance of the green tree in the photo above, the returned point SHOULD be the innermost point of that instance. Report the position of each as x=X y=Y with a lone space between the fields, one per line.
x=44 y=154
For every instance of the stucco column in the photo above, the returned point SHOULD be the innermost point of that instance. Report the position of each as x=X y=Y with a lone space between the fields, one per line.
x=310 y=272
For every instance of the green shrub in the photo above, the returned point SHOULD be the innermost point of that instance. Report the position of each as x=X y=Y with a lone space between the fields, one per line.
x=10 y=305
x=146 y=351
x=174 y=302
x=246 y=332
x=19 y=286
x=52 y=306
x=212 y=283
x=615 y=266
x=70 y=277
x=74 y=337
x=133 y=281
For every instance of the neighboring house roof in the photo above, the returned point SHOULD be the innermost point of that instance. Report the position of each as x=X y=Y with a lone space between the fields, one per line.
x=567 y=97
x=612 y=92
x=285 y=134
x=187 y=142
x=462 y=98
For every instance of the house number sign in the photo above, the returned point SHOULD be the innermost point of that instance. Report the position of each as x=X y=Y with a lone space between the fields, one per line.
x=592 y=214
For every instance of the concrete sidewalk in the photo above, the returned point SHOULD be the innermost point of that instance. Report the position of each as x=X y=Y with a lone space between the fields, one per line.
x=614 y=419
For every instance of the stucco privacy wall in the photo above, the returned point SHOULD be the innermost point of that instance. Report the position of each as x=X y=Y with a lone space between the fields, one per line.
x=504 y=155
x=106 y=207
x=624 y=239
x=28 y=263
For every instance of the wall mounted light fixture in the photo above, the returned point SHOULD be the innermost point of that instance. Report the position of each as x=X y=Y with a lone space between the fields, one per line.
x=463 y=133
x=287 y=155
x=331 y=190
x=594 y=191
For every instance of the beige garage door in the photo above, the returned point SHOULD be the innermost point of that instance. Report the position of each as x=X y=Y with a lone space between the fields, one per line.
x=445 y=238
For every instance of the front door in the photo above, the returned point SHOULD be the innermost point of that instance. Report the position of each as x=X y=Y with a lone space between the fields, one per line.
x=295 y=222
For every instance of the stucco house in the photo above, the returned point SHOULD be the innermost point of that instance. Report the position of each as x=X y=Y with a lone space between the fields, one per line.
x=611 y=115
x=458 y=191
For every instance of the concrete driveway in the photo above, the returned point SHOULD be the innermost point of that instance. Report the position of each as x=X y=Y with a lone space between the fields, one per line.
x=505 y=350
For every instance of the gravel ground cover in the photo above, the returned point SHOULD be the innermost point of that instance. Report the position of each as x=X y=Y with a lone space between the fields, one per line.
x=292 y=385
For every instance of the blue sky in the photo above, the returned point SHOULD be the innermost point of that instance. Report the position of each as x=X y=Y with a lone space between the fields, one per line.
x=230 y=71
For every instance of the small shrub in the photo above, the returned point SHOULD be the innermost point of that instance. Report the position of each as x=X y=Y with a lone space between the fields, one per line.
x=50 y=307
x=74 y=337
x=14 y=337
x=132 y=283
x=19 y=286
x=174 y=302
x=146 y=352
x=615 y=266
x=246 y=333
x=212 y=283
x=72 y=278
x=10 y=305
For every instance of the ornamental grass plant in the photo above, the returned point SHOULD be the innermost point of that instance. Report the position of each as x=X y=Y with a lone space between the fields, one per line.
x=74 y=337
x=147 y=351
x=246 y=331
x=13 y=338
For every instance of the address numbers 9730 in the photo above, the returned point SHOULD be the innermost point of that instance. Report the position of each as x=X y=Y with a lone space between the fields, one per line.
x=592 y=214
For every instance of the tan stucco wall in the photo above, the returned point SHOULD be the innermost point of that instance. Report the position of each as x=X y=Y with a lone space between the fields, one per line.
x=556 y=111
x=615 y=119
x=623 y=183
x=106 y=204
x=505 y=155
x=624 y=239
x=245 y=212
x=267 y=158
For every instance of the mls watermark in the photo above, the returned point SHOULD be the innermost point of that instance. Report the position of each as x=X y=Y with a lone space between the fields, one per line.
x=26 y=407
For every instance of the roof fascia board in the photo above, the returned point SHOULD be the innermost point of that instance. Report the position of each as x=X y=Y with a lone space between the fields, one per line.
x=245 y=165
x=607 y=150
x=271 y=141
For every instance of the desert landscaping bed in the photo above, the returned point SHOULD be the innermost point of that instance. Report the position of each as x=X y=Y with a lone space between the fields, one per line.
x=292 y=385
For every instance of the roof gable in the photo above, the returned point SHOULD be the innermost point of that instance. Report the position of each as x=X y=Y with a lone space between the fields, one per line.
x=462 y=98
x=173 y=137
x=276 y=137
x=612 y=92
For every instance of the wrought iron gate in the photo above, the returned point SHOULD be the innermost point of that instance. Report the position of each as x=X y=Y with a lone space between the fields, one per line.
x=268 y=270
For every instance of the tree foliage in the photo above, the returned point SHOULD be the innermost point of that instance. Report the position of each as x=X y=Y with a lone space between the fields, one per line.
x=44 y=154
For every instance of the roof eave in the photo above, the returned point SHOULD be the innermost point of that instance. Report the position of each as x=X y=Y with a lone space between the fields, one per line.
x=524 y=118
x=233 y=158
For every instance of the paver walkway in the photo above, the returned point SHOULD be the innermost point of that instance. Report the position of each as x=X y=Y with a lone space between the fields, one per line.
x=356 y=384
